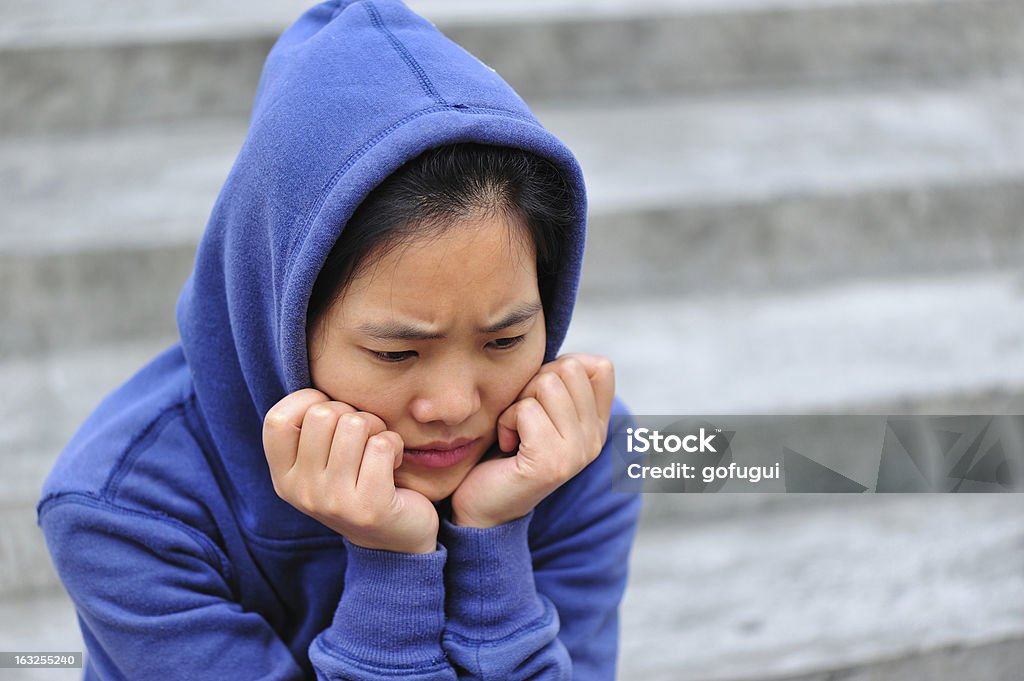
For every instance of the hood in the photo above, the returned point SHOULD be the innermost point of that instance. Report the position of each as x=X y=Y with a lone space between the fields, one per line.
x=348 y=94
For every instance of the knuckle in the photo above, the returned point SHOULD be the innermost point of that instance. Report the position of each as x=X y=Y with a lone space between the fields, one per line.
x=342 y=408
x=533 y=404
x=353 y=423
x=548 y=382
x=529 y=405
x=573 y=365
x=390 y=441
x=275 y=420
x=545 y=370
x=374 y=424
x=320 y=412
x=311 y=392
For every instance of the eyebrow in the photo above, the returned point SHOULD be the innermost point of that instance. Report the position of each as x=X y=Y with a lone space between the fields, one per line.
x=402 y=331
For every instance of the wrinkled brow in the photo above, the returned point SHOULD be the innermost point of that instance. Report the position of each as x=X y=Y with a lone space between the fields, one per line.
x=404 y=331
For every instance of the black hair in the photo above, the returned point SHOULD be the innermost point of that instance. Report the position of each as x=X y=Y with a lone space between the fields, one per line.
x=432 y=192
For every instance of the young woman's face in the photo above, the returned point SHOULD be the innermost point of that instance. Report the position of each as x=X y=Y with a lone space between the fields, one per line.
x=437 y=339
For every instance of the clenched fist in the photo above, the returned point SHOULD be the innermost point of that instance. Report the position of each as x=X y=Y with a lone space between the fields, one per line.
x=337 y=464
x=560 y=422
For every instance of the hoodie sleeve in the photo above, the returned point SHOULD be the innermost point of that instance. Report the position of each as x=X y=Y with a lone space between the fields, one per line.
x=154 y=601
x=499 y=626
x=389 y=620
x=538 y=598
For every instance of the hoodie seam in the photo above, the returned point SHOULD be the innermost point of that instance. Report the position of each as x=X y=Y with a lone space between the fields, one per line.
x=310 y=216
x=211 y=552
x=135 y=448
x=399 y=47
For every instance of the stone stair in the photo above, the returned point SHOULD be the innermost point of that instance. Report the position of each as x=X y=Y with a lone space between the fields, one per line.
x=797 y=206
x=902 y=587
x=93 y=64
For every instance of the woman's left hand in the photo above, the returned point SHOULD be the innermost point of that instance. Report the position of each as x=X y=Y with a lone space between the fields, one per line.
x=560 y=422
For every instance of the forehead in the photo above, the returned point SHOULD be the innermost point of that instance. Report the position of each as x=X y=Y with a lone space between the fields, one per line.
x=477 y=266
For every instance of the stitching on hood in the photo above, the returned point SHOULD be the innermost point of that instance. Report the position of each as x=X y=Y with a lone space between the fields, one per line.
x=414 y=66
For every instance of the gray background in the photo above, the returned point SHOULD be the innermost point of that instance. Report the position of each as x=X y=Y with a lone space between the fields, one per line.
x=798 y=206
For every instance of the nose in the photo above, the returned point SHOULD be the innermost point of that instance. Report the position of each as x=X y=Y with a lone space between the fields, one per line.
x=450 y=396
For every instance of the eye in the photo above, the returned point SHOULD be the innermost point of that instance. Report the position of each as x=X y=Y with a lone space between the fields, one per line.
x=506 y=343
x=393 y=357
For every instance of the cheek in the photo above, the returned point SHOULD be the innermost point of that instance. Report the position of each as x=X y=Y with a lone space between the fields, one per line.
x=361 y=388
x=388 y=399
x=515 y=378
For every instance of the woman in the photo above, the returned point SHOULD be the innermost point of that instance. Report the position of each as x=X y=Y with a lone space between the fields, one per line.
x=364 y=459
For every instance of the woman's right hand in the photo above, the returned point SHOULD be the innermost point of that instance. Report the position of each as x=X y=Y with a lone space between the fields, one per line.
x=337 y=465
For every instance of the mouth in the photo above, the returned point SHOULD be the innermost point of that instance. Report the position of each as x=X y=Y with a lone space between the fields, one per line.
x=440 y=454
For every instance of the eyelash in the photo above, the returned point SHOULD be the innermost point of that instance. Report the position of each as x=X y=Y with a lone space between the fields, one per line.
x=512 y=342
x=390 y=357
x=397 y=357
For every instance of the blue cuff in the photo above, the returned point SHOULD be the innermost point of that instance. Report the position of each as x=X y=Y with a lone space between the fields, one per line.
x=489 y=580
x=391 y=612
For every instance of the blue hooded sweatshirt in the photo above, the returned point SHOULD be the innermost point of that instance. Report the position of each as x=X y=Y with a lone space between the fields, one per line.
x=160 y=515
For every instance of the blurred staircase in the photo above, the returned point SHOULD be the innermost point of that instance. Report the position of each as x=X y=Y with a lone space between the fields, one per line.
x=797 y=206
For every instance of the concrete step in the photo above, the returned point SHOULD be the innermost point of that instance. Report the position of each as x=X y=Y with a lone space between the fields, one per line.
x=879 y=588
x=947 y=345
x=25 y=566
x=46 y=398
x=96 y=64
x=749 y=192
x=743 y=193
x=102 y=230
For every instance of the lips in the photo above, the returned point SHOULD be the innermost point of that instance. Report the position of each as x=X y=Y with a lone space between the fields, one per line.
x=440 y=454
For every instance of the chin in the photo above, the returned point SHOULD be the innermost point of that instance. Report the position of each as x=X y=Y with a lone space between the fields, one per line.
x=434 y=488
